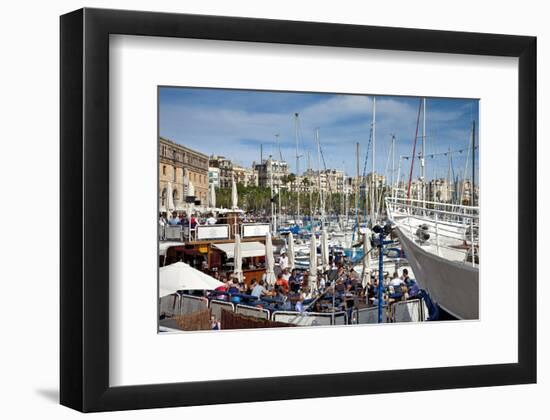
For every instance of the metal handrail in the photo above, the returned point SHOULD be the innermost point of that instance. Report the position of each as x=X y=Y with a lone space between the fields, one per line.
x=424 y=209
x=469 y=219
x=438 y=203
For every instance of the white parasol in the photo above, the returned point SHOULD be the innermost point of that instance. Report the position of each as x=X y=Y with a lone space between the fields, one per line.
x=169 y=200
x=269 y=260
x=238 y=259
x=313 y=265
x=234 y=196
x=365 y=275
x=290 y=251
x=212 y=196
x=180 y=276
x=324 y=250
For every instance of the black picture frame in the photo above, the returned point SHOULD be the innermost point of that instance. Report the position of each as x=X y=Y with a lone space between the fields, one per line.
x=84 y=128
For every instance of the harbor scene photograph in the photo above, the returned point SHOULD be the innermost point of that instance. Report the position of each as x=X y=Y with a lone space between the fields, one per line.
x=281 y=209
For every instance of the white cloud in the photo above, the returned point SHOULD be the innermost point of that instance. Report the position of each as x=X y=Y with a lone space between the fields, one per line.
x=343 y=120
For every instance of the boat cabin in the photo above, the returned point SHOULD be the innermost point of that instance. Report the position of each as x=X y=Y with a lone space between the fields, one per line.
x=211 y=248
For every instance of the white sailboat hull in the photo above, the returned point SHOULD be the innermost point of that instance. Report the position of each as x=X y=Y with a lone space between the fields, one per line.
x=453 y=285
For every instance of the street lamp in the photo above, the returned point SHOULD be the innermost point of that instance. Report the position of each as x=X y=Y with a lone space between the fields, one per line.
x=380 y=232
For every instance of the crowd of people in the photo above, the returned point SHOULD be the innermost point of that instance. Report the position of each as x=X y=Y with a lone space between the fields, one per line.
x=183 y=219
x=201 y=218
x=340 y=288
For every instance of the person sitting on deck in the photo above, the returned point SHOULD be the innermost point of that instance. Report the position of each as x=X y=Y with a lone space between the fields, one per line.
x=286 y=274
x=294 y=281
x=405 y=275
x=174 y=221
x=222 y=288
x=282 y=296
x=332 y=274
x=354 y=275
x=248 y=287
x=411 y=284
x=282 y=283
x=299 y=306
x=215 y=324
x=184 y=221
x=259 y=290
x=340 y=287
x=322 y=282
x=396 y=281
x=305 y=283
x=404 y=292
x=233 y=287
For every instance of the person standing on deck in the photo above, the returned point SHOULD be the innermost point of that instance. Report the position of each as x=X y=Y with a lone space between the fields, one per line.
x=283 y=261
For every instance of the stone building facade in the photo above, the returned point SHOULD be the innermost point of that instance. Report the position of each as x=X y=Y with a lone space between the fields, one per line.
x=328 y=181
x=180 y=165
x=439 y=190
x=278 y=169
x=245 y=176
x=225 y=167
x=214 y=177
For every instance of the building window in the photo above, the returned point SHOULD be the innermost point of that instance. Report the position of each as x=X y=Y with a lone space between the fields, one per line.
x=164 y=169
x=175 y=173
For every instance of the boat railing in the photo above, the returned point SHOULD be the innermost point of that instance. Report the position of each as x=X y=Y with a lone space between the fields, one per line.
x=413 y=310
x=450 y=223
x=310 y=318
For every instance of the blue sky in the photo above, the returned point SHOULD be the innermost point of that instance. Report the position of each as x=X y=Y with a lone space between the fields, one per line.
x=234 y=123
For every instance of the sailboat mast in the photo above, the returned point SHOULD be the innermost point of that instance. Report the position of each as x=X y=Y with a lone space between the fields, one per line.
x=373 y=183
x=449 y=191
x=273 y=219
x=392 y=158
x=357 y=182
x=342 y=199
x=279 y=192
x=473 y=161
x=422 y=158
x=297 y=170
x=279 y=146
x=310 y=187
x=321 y=200
x=398 y=176
x=465 y=171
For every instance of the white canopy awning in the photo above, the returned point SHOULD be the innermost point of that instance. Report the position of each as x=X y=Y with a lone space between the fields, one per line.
x=180 y=276
x=163 y=247
x=248 y=249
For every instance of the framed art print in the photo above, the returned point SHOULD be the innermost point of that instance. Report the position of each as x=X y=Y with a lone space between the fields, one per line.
x=258 y=209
